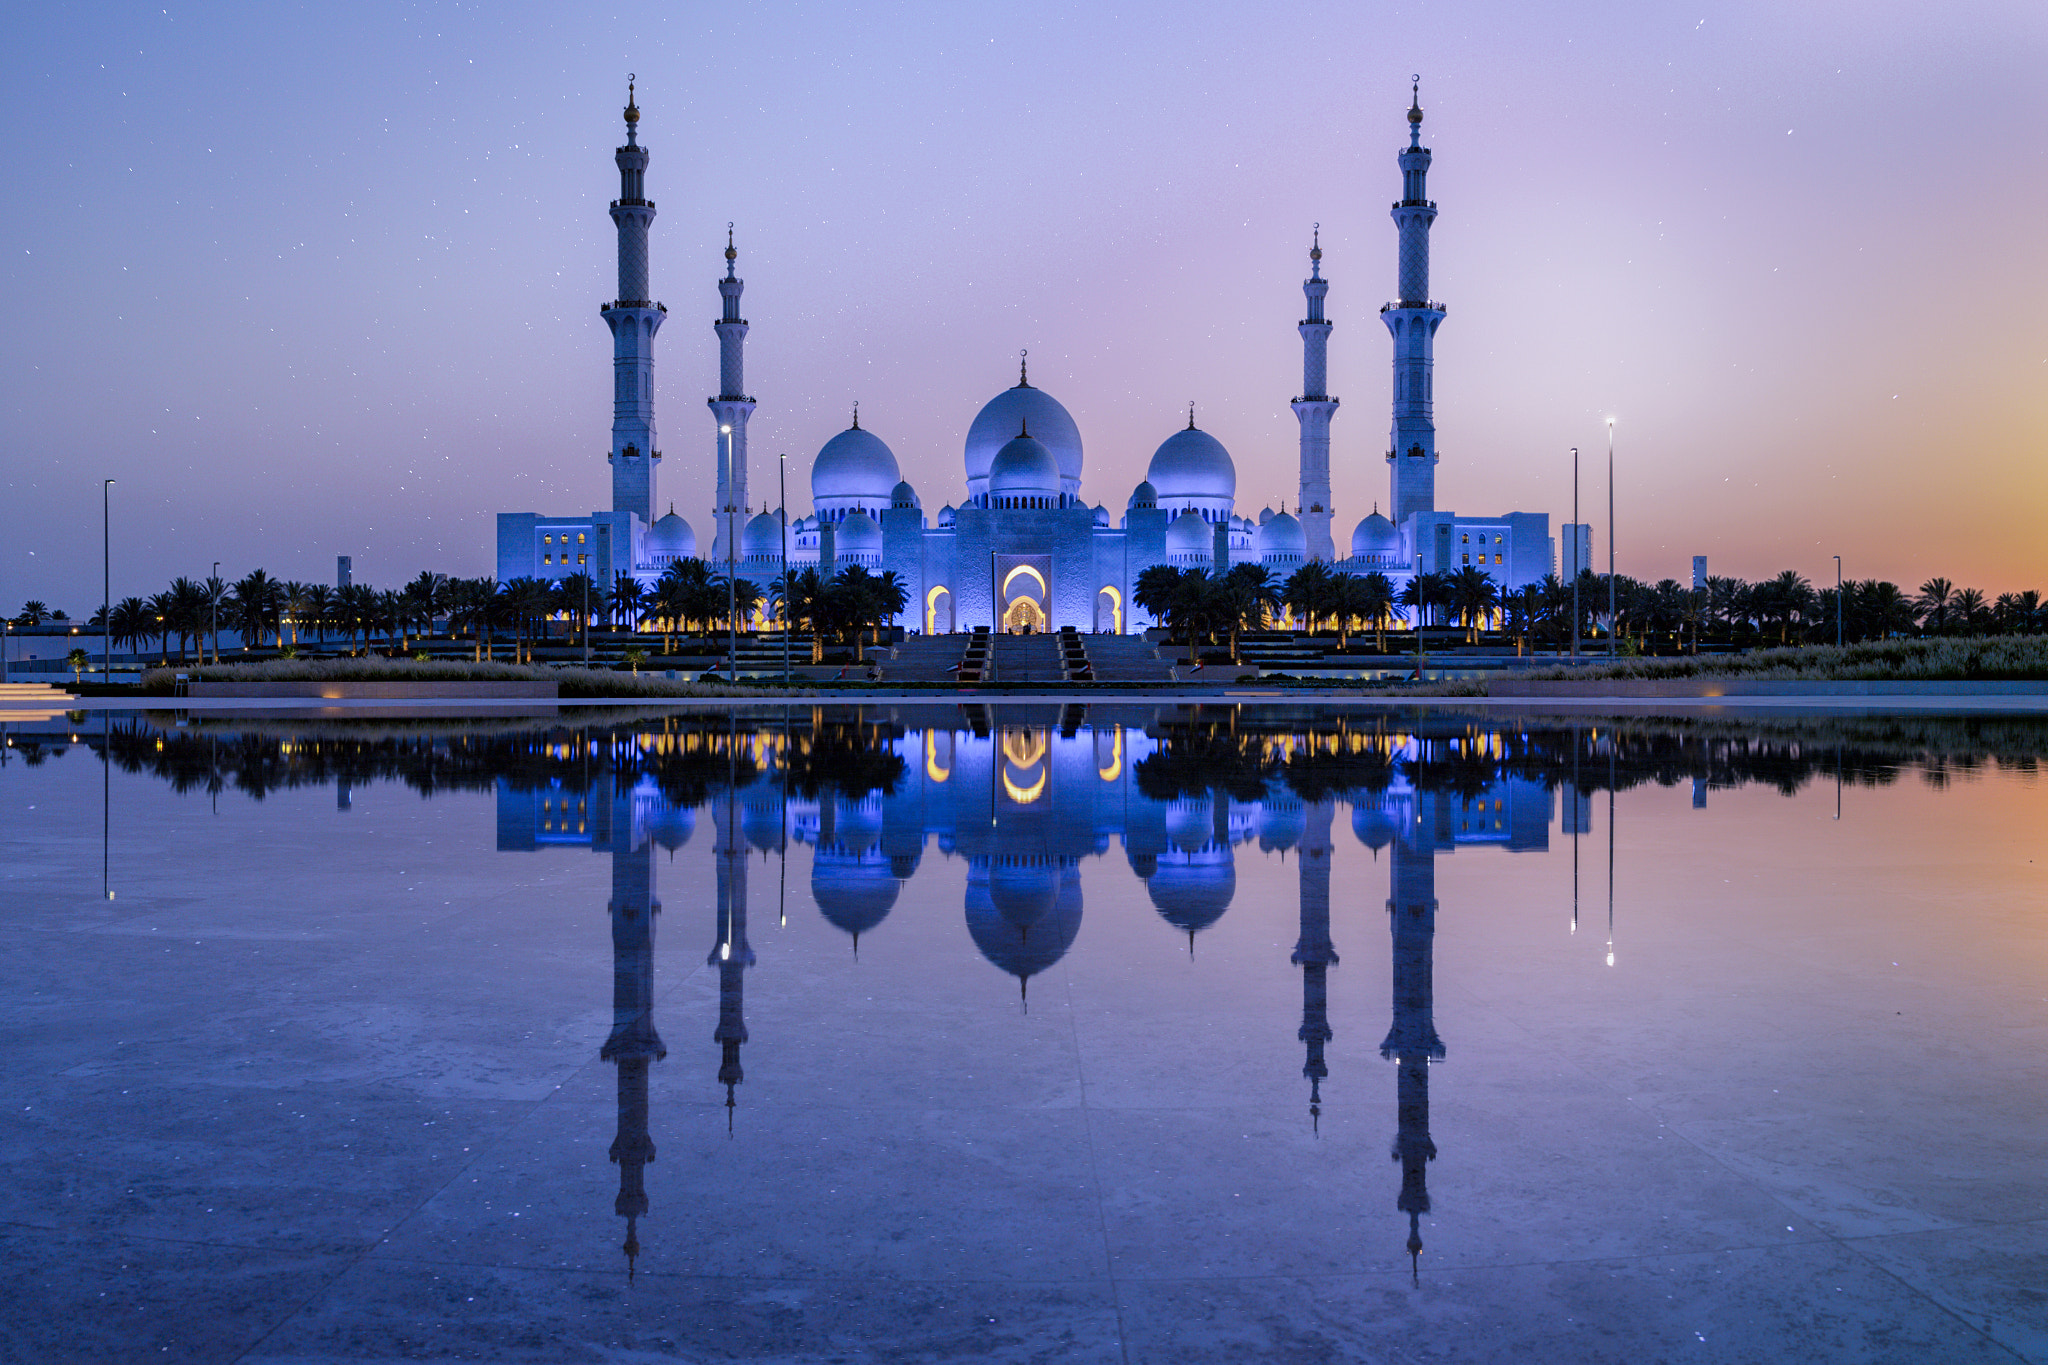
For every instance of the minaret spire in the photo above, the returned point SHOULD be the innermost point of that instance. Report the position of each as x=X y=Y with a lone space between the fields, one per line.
x=1412 y=320
x=634 y=318
x=633 y=1044
x=1313 y=951
x=1412 y=1043
x=1314 y=409
x=730 y=410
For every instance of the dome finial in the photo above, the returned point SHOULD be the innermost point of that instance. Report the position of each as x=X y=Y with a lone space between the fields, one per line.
x=1023 y=374
x=1415 y=111
x=1191 y=414
x=856 y=414
x=731 y=253
x=1023 y=428
x=632 y=109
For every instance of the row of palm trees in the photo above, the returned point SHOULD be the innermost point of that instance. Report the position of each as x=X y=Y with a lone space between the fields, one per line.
x=690 y=597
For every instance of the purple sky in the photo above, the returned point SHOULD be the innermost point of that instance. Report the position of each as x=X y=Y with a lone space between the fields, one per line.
x=319 y=280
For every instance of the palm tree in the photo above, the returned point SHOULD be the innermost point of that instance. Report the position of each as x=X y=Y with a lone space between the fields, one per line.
x=258 y=602
x=319 y=610
x=1376 y=605
x=1972 y=613
x=77 y=659
x=1936 y=603
x=216 y=597
x=622 y=603
x=33 y=613
x=1308 y=592
x=131 y=622
x=293 y=607
x=1246 y=596
x=1473 y=595
x=573 y=592
x=166 y=613
x=188 y=612
x=800 y=596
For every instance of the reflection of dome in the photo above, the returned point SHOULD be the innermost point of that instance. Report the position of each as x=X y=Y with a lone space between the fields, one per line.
x=1189 y=537
x=1374 y=536
x=671 y=826
x=854 y=892
x=1011 y=411
x=854 y=464
x=1375 y=822
x=671 y=535
x=1024 y=468
x=761 y=537
x=1281 y=539
x=761 y=821
x=1192 y=893
x=859 y=538
x=1282 y=822
x=1192 y=464
x=1144 y=495
x=1024 y=918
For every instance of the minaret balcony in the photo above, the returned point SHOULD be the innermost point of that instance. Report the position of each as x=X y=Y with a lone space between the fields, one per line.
x=1409 y=303
x=633 y=203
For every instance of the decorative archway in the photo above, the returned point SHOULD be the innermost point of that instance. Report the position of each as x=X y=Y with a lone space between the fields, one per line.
x=1109 y=611
x=1024 y=615
x=938 y=611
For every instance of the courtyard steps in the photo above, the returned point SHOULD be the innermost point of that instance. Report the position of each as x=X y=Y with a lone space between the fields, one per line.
x=40 y=693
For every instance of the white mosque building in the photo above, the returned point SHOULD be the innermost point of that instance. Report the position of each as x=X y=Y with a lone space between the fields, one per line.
x=1022 y=549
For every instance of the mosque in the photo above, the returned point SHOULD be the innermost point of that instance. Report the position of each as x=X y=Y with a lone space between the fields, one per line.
x=1022 y=549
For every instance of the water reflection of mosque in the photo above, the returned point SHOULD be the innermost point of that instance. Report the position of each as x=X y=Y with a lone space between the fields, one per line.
x=1025 y=805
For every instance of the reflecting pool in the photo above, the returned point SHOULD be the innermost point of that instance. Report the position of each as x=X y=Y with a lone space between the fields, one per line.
x=1015 y=1033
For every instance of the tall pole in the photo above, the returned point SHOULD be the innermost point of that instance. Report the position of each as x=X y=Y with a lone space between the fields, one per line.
x=585 y=585
x=213 y=602
x=732 y=611
x=1838 y=601
x=1610 y=538
x=1421 y=606
x=107 y=579
x=1577 y=567
x=782 y=516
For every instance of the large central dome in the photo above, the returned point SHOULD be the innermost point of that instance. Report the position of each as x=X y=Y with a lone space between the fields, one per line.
x=1011 y=411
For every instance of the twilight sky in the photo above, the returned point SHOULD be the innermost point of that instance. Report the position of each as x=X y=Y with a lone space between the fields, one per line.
x=323 y=279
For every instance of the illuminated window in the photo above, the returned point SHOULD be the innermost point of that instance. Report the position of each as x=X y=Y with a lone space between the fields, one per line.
x=1468 y=559
x=547 y=540
x=579 y=537
x=1464 y=540
x=585 y=559
x=1496 y=559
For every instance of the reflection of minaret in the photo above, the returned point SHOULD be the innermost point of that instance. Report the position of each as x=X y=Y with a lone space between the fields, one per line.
x=1412 y=1042
x=730 y=954
x=633 y=1042
x=1313 y=951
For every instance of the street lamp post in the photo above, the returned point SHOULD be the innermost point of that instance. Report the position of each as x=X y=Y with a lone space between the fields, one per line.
x=1611 y=641
x=782 y=516
x=1421 y=607
x=107 y=579
x=732 y=614
x=213 y=604
x=1838 y=601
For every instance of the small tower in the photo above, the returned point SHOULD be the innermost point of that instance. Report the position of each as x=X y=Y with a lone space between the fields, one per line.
x=730 y=411
x=1314 y=409
x=634 y=319
x=731 y=954
x=1413 y=319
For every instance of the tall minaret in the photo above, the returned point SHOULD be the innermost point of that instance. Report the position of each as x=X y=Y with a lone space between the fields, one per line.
x=731 y=409
x=633 y=1043
x=1313 y=951
x=1313 y=410
x=1412 y=1043
x=731 y=955
x=634 y=319
x=1413 y=319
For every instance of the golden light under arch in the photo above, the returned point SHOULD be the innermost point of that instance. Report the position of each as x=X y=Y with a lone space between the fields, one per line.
x=1116 y=757
x=931 y=758
x=931 y=607
x=1116 y=606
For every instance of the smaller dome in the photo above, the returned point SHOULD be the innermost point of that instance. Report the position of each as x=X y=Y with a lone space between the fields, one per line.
x=947 y=516
x=1374 y=536
x=1102 y=516
x=762 y=536
x=1190 y=535
x=1192 y=464
x=858 y=534
x=1024 y=466
x=854 y=464
x=671 y=535
x=1282 y=535
x=1144 y=495
x=903 y=495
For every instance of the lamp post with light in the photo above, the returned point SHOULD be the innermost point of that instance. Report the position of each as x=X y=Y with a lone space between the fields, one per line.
x=732 y=614
x=782 y=516
x=107 y=579
x=1577 y=567
x=1611 y=641
x=213 y=604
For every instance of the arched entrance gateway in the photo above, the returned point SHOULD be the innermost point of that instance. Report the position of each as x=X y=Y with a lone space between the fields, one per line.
x=938 y=612
x=1024 y=594
x=1109 y=612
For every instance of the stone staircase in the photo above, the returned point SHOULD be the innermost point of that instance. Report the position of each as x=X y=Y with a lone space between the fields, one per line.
x=40 y=694
x=1028 y=659
x=925 y=659
x=977 y=665
x=1074 y=665
x=1126 y=658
